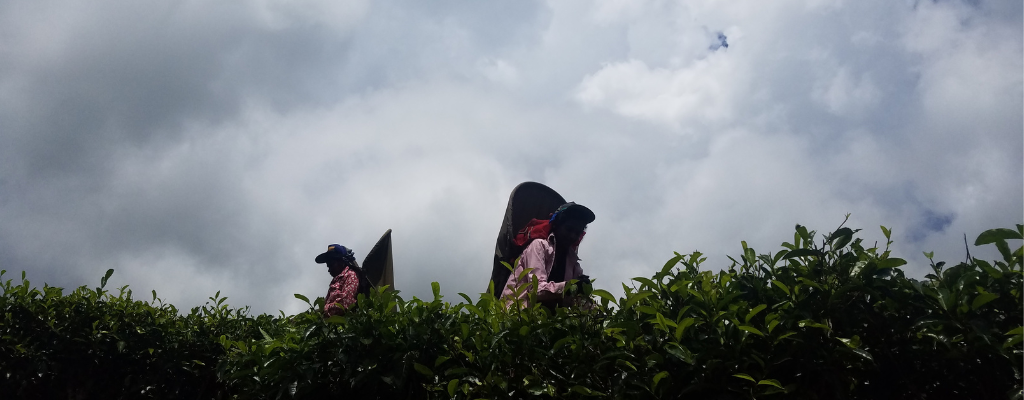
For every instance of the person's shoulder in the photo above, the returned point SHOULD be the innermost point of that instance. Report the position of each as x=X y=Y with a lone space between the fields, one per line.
x=348 y=273
x=539 y=244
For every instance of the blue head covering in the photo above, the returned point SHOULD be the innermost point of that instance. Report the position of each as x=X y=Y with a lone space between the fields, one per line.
x=337 y=252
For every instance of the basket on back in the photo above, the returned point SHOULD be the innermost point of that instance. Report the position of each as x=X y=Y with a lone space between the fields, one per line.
x=378 y=264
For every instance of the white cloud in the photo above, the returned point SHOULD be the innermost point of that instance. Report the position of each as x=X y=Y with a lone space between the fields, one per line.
x=499 y=71
x=607 y=12
x=844 y=95
x=214 y=147
x=699 y=93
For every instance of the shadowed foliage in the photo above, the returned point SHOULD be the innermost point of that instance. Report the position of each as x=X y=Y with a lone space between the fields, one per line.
x=825 y=317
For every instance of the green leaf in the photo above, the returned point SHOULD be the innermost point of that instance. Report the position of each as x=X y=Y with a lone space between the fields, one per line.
x=646 y=282
x=585 y=391
x=423 y=369
x=665 y=321
x=466 y=297
x=458 y=371
x=852 y=343
x=781 y=285
x=680 y=352
x=891 y=263
x=634 y=298
x=751 y=330
x=103 y=281
x=841 y=238
x=605 y=295
x=754 y=312
x=561 y=342
x=474 y=310
x=1004 y=249
x=1018 y=335
x=801 y=253
x=982 y=299
x=944 y=298
x=886 y=232
x=783 y=336
x=297 y=296
x=452 y=385
x=770 y=382
x=813 y=324
x=436 y=288
x=927 y=321
x=744 y=376
x=681 y=327
x=647 y=310
x=748 y=254
x=995 y=273
x=658 y=377
x=808 y=282
x=995 y=235
x=802 y=232
x=671 y=263
x=863 y=353
x=778 y=256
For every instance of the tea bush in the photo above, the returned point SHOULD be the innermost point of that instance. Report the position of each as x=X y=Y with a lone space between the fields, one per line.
x=825 y=317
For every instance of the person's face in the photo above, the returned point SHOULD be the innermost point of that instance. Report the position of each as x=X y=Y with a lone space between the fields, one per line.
x=570 y=232
x=334 y=267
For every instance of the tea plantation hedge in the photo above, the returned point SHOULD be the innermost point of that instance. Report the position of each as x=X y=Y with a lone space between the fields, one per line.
x=825 y=317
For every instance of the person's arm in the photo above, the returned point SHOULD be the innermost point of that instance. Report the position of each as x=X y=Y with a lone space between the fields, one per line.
x=539 y=255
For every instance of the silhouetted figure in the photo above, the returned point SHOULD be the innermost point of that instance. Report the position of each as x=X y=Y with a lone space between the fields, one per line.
x=349 y=280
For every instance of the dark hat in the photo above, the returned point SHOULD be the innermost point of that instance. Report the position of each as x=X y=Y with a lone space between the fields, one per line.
x=336 y=252
x=572 y=212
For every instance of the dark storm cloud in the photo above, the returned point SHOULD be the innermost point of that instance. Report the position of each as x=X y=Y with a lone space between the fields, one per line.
x=89 y=90
x=131 y=74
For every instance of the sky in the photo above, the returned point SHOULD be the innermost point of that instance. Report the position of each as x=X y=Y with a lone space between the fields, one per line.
x=197 y=147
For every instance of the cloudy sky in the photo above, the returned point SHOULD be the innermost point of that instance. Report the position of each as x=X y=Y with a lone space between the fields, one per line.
x=198 y=146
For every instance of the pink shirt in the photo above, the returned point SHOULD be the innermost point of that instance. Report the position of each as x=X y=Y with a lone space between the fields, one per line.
x=342 y=293
x=540 y=256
